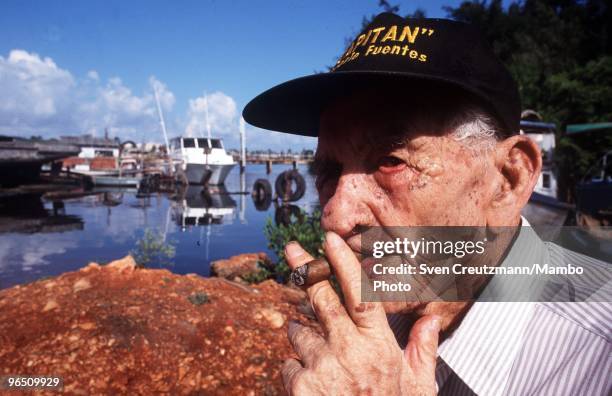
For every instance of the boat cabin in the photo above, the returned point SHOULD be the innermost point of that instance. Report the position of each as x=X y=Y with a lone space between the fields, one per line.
x=200 y=160
x=199 y=143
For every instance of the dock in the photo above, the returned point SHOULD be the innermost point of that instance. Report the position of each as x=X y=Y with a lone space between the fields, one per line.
x=270 y=159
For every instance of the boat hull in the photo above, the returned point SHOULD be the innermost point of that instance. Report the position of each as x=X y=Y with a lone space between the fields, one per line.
x=219 y=173
x=211 y=174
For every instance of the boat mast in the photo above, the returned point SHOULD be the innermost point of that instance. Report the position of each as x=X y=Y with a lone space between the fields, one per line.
x=200 y=129
x=161 y=119
x=207 y=126
x=242 y=145
x=163 y=127
x=206 y=112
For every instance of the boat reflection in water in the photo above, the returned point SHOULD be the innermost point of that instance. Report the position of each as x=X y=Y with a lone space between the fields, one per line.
x=28 y=215
x=196 y=206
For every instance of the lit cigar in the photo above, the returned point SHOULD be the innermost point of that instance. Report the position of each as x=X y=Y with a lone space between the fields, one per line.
x=310 y=273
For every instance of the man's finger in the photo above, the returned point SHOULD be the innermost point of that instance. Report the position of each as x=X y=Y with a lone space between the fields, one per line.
x=422 y=349
x=348 y=272
x=296 y=256
x=305 y=341
x=324 y=300
x=290 y=372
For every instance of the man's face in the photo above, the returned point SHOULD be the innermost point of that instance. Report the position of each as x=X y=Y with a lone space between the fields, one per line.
x=370 y=172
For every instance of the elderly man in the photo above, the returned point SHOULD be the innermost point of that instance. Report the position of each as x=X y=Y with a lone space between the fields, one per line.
x=418 y=126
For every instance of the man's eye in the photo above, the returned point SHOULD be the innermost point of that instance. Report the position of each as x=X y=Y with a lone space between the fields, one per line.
x=390 y=164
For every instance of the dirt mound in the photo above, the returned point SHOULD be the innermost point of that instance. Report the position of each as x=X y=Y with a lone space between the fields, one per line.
x=114 y=329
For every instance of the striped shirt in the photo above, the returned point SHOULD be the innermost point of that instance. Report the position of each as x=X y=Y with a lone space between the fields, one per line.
x=526 y=348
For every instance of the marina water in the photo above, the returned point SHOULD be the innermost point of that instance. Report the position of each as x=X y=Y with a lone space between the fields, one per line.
x=41 y=238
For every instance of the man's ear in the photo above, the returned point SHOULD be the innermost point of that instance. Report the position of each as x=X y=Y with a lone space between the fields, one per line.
x=519 y=162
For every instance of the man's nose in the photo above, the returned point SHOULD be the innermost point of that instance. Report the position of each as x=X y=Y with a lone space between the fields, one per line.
x=347 y=208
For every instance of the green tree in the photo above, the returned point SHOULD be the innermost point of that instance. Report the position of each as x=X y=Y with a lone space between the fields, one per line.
x=559 y=52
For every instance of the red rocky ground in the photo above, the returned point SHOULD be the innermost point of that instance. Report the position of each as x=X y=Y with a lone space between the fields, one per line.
x=114 y=329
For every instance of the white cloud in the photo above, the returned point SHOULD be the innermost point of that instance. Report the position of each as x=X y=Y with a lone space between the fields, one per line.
x=223 y=118
x=37 y=97
x=39 y=248
x=125 y=114
x=222 y=115
x=33 y=90
x=93 y=75
x=166 y=97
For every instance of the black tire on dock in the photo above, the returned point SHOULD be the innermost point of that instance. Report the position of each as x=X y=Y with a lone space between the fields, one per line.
x=262 y=194
x=283 y=186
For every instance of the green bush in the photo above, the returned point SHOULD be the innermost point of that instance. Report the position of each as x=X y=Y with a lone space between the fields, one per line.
x=153 y=248
x=304 y=229
x=198 y=298
x=260 y=276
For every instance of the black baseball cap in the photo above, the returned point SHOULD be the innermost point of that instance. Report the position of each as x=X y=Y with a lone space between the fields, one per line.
x=389 y=52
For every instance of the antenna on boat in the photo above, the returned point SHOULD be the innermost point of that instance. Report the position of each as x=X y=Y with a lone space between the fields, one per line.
x=200 y=129
x=242 y=145
x=163 y=124
x=206 y=112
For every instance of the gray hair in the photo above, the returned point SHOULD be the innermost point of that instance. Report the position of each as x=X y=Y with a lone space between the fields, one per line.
x=467 y=123
x=475 y=128
x=435 y=110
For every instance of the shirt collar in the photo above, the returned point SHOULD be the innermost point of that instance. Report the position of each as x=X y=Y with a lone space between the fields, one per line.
x=482 y=349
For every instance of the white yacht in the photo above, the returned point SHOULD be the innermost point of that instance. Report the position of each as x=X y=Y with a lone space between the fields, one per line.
x=201 y=160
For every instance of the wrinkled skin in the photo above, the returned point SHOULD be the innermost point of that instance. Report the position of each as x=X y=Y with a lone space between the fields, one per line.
x=370 y=174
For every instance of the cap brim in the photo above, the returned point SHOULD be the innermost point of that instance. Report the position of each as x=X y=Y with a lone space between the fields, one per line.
x=295 y=106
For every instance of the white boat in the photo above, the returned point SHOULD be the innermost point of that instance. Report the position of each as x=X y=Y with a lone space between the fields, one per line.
x=196 y=160
x=201 y=160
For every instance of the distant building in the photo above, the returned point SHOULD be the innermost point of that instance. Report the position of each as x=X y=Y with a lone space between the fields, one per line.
x=96 y=153
x=92 y=147
x=543 y=134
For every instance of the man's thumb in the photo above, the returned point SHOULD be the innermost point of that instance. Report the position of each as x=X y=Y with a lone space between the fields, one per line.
x=422 y=349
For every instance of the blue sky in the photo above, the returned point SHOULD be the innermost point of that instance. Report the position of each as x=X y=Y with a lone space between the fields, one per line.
x=89 y=65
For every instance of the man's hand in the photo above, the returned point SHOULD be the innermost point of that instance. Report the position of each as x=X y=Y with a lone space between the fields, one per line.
x=359 y=353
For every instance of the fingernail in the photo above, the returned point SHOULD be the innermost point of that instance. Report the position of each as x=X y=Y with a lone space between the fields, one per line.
x=332 y=239
x=293 y=250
